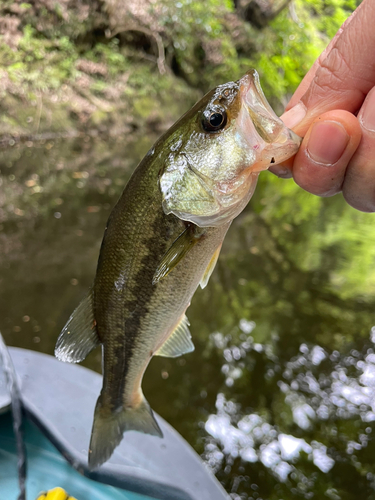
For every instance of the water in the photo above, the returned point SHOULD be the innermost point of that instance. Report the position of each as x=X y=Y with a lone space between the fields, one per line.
x=278 y=397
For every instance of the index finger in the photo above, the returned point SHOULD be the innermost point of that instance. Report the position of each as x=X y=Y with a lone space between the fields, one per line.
x=344 y=77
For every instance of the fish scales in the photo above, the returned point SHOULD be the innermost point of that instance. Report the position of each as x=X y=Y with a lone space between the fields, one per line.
x=162 y=239
x=130 y=255
x=134 y=317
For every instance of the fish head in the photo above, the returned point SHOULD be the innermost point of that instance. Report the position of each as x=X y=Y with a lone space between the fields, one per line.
x=215 y=152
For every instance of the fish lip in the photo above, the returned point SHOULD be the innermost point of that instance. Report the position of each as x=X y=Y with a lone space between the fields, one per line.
x=247 y=79
x=250 y=81
x=276 y=134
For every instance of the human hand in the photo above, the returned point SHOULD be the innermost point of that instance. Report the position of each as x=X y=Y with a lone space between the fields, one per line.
x=338 y=149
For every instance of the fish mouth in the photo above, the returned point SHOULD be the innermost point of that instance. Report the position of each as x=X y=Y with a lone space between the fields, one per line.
x=277 y=141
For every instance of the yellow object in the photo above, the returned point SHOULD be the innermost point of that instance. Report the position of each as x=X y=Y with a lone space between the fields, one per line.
x=55 y=494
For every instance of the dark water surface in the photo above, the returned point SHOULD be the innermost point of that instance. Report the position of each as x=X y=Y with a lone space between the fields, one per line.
x=278 y=396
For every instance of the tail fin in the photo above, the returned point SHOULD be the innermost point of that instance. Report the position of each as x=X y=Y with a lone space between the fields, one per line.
x=108 y=429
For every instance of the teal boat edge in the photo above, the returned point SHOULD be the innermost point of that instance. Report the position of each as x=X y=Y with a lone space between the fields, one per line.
x=57 y=436
x=46 y=469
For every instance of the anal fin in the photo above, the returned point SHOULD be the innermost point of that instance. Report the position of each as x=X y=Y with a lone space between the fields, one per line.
x=79 y=335
x=210 y=268
x=180 y=247
x=179 y=342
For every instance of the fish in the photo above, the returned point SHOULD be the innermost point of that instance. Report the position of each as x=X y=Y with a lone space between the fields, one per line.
x=162 y=240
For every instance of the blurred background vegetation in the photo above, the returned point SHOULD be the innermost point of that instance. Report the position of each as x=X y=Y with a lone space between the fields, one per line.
x=283 y=404
x=107 y=63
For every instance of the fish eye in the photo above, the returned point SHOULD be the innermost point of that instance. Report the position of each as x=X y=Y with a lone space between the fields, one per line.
x=215 y=121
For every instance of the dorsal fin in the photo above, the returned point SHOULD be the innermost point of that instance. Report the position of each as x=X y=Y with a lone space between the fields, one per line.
x=179 y=342
x=210 y=268
x=79 y=335
x=180 y=247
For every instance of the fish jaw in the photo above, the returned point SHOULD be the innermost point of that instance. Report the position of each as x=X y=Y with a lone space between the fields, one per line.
x=263 y=130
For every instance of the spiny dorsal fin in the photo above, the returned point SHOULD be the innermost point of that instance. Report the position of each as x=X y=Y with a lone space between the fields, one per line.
x=179 y=342
x=180 y=247
x=210 y=268
x=79 y=335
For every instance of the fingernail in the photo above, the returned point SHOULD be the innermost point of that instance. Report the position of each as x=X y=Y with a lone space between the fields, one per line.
x=294 y=116
x=367 y=115
x=327 y=142
x=280 y=171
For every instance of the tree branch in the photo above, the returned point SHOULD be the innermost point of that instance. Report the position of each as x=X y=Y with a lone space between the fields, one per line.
x=153 y=34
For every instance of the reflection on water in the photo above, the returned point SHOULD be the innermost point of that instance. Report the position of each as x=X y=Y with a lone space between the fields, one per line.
x=314 y=395
x=279 y=395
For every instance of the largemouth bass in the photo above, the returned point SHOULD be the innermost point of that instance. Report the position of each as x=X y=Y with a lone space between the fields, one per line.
x=162 y=239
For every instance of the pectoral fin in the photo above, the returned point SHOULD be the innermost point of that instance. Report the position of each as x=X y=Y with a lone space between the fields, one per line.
x=210 y=268
x=179 y=342
x=177 y=252
x=79 y=335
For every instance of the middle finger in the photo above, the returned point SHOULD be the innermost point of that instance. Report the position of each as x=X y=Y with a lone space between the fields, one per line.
x=359 y=184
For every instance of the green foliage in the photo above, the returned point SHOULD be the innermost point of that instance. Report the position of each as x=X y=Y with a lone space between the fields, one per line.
x=197 y=29
x=110 y=55
x=205 y=43
x=40 y=63
x=210 y=45
x=331 y=14
x=290 y=50
x=290 y=44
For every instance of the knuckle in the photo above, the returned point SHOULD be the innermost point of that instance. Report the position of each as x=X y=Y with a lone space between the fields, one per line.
x=333 y=72
x=334 y=83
